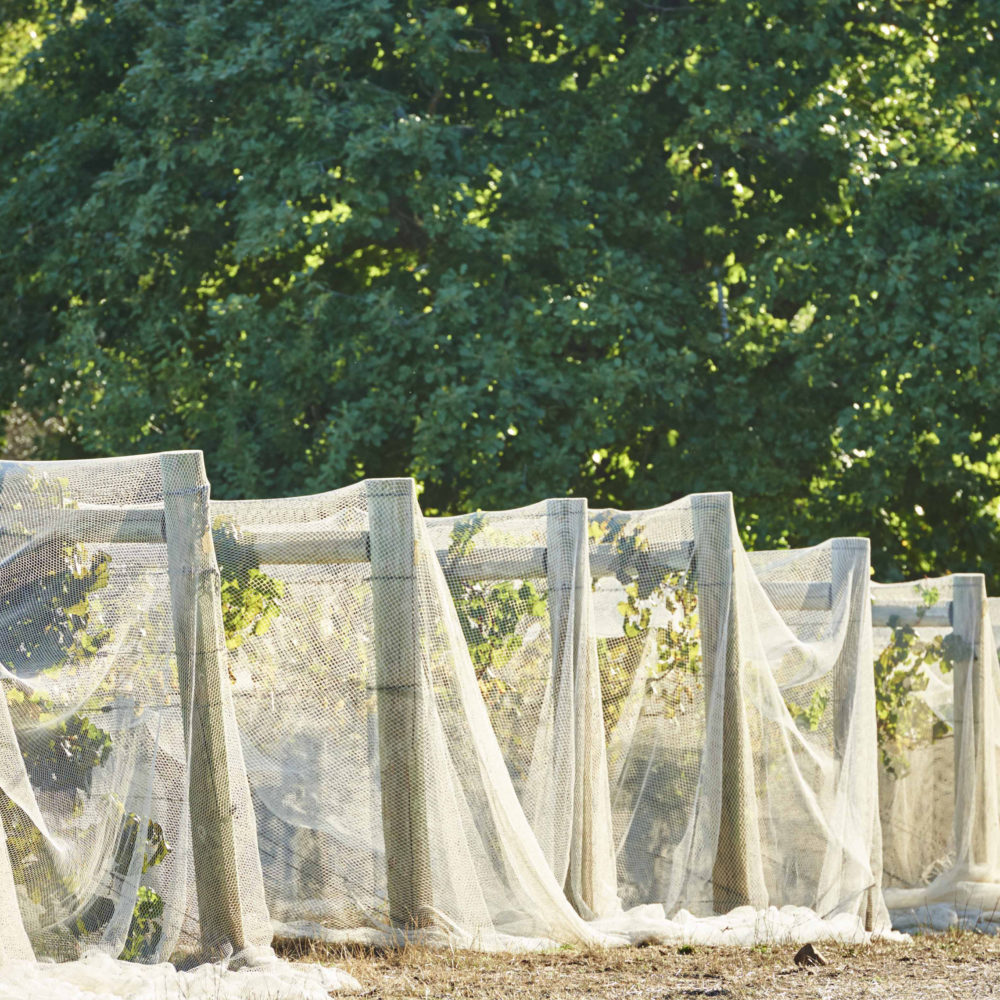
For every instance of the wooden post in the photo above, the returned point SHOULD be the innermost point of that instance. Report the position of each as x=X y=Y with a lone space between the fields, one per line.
x=228 y=877
x=737 y=875
x=589 y=878
x=976 y=813
x=850 y=565
x=401 y=696
x=14 y=943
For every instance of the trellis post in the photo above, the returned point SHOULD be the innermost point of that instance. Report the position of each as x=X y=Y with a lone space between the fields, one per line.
x=976 y=812
x=402 y=699
x=737 y=874
x=589 y=881
x=850 y=565
x=228 y=877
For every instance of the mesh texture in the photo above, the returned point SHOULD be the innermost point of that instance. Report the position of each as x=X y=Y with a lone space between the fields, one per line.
x=703 y=706
x=938 y=673
x=330 y=716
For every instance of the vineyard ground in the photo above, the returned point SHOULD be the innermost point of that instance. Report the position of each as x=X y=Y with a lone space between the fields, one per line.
x=957 y=966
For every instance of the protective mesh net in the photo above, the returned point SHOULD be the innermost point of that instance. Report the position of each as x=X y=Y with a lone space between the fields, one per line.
x=937 y=671
x=993 y=609
x=123 y=797
x=382 y=801
x=638 y=669
x=330 y=717
x=521 y=587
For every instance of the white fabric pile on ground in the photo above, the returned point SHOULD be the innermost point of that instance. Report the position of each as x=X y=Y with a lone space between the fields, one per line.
x=99 y=977
x=744 y=926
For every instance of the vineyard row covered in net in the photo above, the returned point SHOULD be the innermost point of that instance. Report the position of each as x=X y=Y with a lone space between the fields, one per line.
x=332 y=717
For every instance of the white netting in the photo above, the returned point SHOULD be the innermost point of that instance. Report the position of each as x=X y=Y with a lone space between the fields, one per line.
x=384 y=809
x=993 y=610
x=735 y=715
x=817 y=636
x=125 y=804
x=97 y=976
x=521 y=585
x=937 y=674
x=328 y=717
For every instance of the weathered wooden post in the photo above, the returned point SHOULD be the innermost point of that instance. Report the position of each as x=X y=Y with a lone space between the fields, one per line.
x=976 y=808
x=14 y=943
x=850 y=562
x=228 y=877
x=737 y=875
x=589 y=880
x=850 y=565
x=402 y=699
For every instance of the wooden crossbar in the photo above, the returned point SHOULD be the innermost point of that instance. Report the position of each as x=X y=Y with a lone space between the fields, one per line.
x=314 y=543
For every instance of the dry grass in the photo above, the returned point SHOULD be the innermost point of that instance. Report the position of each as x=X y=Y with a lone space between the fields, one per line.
x=956 y=966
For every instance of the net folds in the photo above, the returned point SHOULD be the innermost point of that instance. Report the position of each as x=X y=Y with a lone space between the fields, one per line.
x=329 y=716
x=938 y=673
x=124 y=798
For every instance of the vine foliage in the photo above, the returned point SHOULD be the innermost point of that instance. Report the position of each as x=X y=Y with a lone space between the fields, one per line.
x=660 y=607
x=904 y=721
x=249 y=596
x=495 y=617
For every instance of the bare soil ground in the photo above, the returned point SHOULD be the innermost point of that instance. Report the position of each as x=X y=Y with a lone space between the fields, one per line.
x=956 y=966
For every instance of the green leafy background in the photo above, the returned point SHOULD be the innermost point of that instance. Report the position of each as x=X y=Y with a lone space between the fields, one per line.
x=624 y=250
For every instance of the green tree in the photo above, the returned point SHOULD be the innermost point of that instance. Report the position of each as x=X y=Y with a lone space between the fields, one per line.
x=627 y=250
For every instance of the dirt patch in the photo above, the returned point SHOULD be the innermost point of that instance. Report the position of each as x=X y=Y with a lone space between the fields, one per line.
x=957 y=966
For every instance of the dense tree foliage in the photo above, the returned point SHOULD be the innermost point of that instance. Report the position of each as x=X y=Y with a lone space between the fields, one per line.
x=628 y=250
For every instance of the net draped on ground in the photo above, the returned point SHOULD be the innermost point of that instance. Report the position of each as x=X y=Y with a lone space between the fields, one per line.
x=330 y=716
